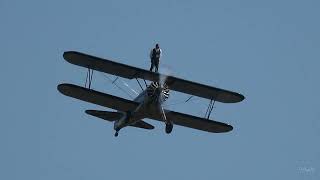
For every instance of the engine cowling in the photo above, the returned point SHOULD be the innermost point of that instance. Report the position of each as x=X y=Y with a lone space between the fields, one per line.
x=155 y=90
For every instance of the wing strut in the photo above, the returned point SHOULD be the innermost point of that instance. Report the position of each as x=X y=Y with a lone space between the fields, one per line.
x=139 y=84
x=145 y=83
x=209 y=109
x=89 y=78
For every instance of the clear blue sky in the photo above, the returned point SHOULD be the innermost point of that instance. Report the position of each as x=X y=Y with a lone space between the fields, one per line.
x=267 y=50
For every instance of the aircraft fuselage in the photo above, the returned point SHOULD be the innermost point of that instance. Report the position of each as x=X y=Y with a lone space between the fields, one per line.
x=148 y=106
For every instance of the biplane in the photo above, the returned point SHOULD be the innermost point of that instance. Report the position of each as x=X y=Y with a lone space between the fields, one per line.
x=148 y=104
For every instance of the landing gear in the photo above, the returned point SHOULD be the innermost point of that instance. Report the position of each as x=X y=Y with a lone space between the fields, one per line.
x=169 y=124
x=169 y=127
x=117 y=132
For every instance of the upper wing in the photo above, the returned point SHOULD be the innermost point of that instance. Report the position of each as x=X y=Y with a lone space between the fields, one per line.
x=96 y=97
x=195 y=122
x=204 y=91
x=130 y=72
x=105 y=65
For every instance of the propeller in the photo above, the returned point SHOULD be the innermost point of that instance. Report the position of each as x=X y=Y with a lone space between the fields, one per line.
x=159 y=91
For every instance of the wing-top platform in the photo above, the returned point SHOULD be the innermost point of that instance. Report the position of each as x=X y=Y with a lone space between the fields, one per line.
x=130 y=72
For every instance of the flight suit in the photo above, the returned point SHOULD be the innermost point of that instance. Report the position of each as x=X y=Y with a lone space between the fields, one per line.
x=155 y=58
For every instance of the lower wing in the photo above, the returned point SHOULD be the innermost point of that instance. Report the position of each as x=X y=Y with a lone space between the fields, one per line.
x=195 y=122
x=98 y=98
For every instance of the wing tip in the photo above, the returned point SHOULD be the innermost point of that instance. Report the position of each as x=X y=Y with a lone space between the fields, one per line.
x=70 y=52
x=224 y=128
x=235 y=98
x=241 y=97
x=61 y=88
x=90 y=112
x=64 y=87
x=229 y=128
x=67 y=55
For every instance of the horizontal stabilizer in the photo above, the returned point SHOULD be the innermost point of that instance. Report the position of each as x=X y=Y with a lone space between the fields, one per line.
x=143 y=125
x=106 y=115
x=113 y=116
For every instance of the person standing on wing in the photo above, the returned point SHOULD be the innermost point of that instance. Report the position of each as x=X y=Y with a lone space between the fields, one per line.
x=155 y=55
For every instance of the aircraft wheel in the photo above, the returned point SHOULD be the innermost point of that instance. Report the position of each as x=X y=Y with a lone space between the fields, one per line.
x=169 y=128
x=116 y=134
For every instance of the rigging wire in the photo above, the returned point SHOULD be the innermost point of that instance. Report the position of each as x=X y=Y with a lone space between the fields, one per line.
x=114 y=82
x=181 y=102
x=126 y=84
